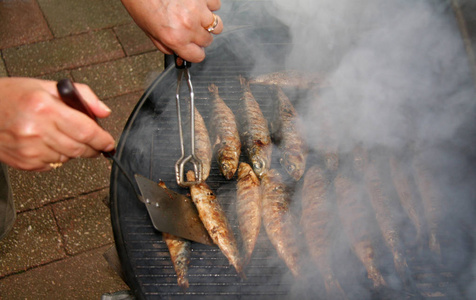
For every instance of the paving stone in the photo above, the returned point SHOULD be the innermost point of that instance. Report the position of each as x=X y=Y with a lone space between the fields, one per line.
x=66 y=53
x=121 y=107
x=122 y=76
x=133 y=39
x=3 y=70
x=84 y=222
x=72 y=17
x=78 y=176
x=85 y=276
x=21 y=22
x=34 y=241
x=57 y=76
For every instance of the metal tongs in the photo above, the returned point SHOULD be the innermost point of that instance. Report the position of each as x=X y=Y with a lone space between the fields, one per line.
x=183 y=72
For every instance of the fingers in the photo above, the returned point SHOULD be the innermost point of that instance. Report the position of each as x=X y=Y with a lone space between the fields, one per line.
x=97 y=106
x=215 y=24
x=213 y=5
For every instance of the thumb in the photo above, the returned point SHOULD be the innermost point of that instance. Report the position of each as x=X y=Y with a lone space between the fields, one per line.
x=99 y=108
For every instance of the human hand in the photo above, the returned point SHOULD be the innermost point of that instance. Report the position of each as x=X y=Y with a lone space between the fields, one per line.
x=37 y=128
x=177 y=26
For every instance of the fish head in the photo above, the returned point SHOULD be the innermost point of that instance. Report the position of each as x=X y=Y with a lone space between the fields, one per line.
x=293 y=164
x=227 y=169
x=260 y=165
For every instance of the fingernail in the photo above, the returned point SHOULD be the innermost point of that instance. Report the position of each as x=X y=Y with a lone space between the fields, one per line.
x=104 y=106
x=110 y=147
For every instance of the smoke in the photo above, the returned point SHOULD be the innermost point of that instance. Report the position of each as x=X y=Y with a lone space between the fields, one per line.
x=398 y=78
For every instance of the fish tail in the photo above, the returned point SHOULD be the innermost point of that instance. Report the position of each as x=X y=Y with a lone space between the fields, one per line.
x=213 y=88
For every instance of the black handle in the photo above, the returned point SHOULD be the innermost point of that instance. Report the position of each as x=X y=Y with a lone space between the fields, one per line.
x=181 y=63
x=71 y=97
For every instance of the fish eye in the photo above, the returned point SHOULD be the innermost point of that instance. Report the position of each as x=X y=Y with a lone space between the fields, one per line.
x=291 y=167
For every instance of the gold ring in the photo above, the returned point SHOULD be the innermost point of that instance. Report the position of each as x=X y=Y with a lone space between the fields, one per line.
x=56 y=165
x=213 y=25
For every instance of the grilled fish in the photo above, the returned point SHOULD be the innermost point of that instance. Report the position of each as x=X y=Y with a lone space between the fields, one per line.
x=288 y=131
x=431 y=200
x=317 y=221
x=227 y=144
x=324 y=135
x=180 y=253
x=289 y=78
x=406 y=189
x=354 y=216
x=255 y=133
x=248 y=206
x=278 y=220
x=386 y=211
x=203 y=148
x=215 y=221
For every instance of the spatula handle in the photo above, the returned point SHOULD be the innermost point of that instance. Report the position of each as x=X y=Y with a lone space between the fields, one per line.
x=71 y=97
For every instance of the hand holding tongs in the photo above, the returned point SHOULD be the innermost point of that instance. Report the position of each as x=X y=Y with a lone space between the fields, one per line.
x=183 y=71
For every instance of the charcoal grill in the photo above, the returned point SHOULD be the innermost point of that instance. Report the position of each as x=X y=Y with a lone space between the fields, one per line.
x=150 y=146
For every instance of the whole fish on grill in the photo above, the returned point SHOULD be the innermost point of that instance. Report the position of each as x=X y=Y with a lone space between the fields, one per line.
x=324 y=134
x=289 y=134
x=403 y=181
x=387 y=214
x=203 y=148
x=227 y=144
x=279 y=221
x=290 y=78
x=431 y=199
x=248 y=207
x=318 y=222
x=354 y=215
x=254 y=131
x=180 y=253
x=215 y=221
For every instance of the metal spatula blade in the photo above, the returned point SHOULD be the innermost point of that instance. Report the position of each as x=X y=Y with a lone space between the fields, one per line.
x=171 y=212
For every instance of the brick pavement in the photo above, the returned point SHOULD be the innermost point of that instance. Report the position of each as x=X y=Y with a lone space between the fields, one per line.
x=55 y=250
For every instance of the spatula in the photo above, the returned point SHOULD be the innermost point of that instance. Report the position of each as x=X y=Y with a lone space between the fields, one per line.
x=169 y=212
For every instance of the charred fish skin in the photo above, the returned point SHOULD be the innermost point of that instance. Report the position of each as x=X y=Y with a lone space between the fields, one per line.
x=180 y=252
x=248 y=207
x=386 y=212
x=403 y=181
x=227 y=144
x=203 y=148
x=255 y=132
x=431 y=200
x=317 y=221
x=327 y=141
x=354 y=216
x=278 y=220
x=289 y=78
x=289 y=131
x=215 y=221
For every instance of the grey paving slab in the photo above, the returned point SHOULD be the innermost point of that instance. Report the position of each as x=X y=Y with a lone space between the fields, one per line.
x=36 y=189
x=122 y=76
x=84 y=222
x=33 y=241
x=72 y=17
x=85 y=276
x=121 y=107
x=65 y=53
x=133 y=39
x=21 y=22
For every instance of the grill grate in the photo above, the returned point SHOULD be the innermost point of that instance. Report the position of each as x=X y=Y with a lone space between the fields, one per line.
x=150 y=146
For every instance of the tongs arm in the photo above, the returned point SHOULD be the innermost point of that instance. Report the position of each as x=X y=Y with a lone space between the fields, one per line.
x=183 y=71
